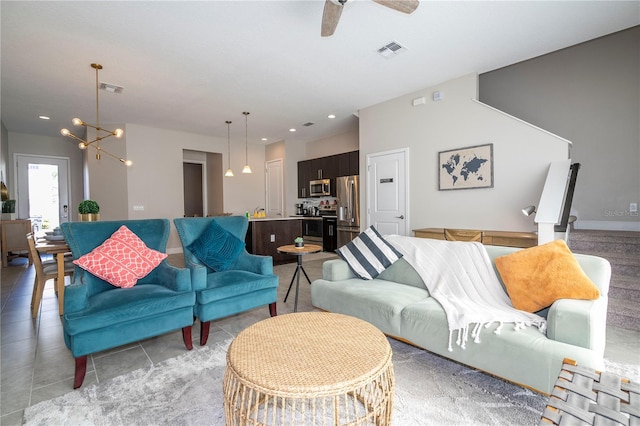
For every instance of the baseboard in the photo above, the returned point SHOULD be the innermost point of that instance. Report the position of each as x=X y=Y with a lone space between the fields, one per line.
x=174 y=250
x=607 y=225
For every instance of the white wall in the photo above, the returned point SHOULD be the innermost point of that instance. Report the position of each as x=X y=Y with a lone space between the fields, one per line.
x=155 y=179
x=107 y=177
x=521 y=152
x=337 y=144
x=590 y=94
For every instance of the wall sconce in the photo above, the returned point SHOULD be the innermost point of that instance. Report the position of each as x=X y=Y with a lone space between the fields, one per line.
x=529 y=210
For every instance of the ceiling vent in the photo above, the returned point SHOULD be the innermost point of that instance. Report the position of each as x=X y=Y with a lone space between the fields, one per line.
x=391 y=49
x=111 y=88
x=308 y=124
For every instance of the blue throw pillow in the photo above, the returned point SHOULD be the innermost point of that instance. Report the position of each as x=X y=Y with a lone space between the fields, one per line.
x=216 y=247
x=369 y=254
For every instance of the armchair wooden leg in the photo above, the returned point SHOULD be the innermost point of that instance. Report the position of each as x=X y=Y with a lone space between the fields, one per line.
x=186 y=336
x=81 y=370
x=204 y=332
x=272 y=309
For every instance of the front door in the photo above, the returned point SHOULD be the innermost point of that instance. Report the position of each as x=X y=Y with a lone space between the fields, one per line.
x=43 y=190
x=387 y=204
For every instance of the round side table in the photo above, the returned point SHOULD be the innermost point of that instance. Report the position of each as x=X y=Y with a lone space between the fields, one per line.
x=298 y=252
x=309 y=368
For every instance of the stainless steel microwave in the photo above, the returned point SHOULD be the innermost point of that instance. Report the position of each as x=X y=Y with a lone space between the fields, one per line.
x=320 y=188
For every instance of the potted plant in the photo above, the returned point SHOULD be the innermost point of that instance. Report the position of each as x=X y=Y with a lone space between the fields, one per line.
x=299 y=242
x=88 y=211
x=9 y=210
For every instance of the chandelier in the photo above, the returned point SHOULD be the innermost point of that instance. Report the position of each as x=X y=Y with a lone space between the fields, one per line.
x=101 y=133
x=229 y=172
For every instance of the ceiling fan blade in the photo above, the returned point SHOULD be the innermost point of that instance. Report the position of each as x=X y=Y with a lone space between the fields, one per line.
x=330 y=17
x=404 y=6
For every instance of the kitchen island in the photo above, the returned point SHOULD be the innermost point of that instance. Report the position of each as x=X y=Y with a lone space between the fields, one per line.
x=266 y=234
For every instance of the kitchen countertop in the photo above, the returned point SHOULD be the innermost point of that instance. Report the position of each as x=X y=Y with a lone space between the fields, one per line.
x=328 y=216
x=263 y=219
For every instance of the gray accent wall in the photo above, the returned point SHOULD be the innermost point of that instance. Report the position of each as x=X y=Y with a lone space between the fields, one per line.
x=590 y=95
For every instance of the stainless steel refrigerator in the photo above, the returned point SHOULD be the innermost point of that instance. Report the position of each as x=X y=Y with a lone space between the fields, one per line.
x=348 y=209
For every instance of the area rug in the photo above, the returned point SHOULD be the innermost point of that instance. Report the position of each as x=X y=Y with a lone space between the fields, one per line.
x=187 y=390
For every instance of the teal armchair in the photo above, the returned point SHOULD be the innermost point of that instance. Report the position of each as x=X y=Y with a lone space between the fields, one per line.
x=99 y=316
x=247 y=283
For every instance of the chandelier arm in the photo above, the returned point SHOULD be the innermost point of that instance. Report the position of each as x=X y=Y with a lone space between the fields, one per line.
x=72 y=136
x=104 y=151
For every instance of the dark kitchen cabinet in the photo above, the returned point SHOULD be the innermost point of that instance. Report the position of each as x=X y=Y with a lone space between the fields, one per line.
x=344 y=167
x=265 y=236
x=354 y=163
x=304 y=173
x=323 y=168
x=329 y=167
x=329 y=234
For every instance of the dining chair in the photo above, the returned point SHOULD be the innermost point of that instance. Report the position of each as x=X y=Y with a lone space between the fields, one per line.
x=45 y=271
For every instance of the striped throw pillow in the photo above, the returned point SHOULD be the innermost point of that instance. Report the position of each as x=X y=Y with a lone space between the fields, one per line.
x=369 y=254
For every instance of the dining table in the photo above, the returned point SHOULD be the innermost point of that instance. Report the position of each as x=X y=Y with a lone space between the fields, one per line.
x=57 y=248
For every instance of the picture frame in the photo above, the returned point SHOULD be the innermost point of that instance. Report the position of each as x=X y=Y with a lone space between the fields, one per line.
x=466 y=168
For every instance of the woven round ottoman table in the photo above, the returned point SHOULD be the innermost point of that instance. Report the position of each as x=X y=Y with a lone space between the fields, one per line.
x=310 y=368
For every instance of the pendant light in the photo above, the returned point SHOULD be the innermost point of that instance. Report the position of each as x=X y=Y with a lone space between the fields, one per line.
x=229 y=172
x=246 y=168
x=101 y=134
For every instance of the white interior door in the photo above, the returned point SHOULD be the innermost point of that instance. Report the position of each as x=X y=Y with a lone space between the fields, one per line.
x=274 y=188
x=387 y=204
x=43 y=190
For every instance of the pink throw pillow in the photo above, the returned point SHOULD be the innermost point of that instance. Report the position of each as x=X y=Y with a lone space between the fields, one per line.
x=122 y=259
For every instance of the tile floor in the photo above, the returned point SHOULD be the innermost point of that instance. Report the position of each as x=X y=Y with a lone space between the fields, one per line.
x=36 y=365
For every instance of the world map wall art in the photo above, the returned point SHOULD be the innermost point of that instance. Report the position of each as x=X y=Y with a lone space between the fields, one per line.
x=466 y=168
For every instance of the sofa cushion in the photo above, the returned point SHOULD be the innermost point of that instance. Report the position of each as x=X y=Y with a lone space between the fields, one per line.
x=369 y=254
x=378 y=302
x=121 y=306
x=122 y=259
x=225 y=284
x=216 y=247
x=538 y=276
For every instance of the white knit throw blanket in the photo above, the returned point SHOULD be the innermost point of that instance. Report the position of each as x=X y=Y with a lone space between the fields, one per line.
x=460 y=276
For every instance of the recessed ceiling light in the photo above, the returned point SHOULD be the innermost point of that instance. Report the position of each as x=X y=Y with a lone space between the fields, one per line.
x=331 y=116
x=292 y=130
x=44 y=117
x=265 y=139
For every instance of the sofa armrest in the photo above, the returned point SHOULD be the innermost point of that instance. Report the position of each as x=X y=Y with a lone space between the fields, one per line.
x=76 y=294
x=261 y=265
x=336 y=270
x=579 y=322
x=177 y=279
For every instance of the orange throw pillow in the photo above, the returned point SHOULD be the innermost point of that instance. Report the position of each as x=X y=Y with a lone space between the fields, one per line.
x=538 y=276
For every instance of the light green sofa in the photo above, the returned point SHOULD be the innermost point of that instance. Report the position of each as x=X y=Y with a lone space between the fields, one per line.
x=398 y=303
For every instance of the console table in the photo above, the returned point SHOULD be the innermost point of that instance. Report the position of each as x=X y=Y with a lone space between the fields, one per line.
x=492 y=238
